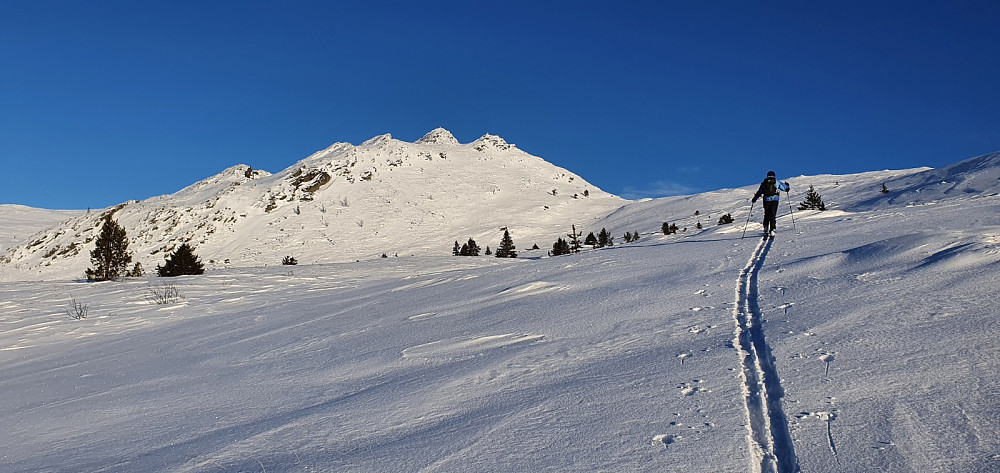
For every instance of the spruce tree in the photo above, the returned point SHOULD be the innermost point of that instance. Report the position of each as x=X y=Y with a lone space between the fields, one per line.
x=574 y=240
x=635 y=235
x=665 y=228
x=590 y=240
x=605 y=239
x=628 y=237
x=457 y=251
x=488 y=252
x=813 y=201
x=885 y=190
x=110 y=256
x=473 y=248
x=181 y=262
x=506 y=248
x=560 y=247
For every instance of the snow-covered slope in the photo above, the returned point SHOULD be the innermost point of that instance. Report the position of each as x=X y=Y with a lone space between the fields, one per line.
x=862 y=338
x=343 y=203
x=21 y=222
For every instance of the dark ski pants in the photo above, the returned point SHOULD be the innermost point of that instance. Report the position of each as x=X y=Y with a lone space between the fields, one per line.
x=770 y=212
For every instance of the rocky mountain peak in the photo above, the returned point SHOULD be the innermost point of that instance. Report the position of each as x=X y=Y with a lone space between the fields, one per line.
x=438 y=136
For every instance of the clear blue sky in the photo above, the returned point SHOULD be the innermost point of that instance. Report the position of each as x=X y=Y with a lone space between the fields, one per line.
x=106 y=101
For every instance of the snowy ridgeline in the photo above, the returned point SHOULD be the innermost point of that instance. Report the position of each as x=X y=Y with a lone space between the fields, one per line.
x=862 y=338
x=342 y=204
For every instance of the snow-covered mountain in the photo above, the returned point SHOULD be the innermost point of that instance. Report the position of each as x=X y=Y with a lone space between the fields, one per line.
x=343 y=203
x=861 y=338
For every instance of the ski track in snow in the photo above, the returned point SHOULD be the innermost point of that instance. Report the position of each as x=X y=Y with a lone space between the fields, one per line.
x=771 y=447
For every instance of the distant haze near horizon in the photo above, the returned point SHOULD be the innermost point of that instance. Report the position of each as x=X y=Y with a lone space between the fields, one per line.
x=103 y=102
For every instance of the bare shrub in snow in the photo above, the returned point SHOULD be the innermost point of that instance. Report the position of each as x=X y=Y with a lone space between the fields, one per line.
x=163 y=293
x=77 y=310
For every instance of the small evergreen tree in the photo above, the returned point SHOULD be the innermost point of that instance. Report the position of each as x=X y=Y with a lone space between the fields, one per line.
x=457 y=251
x=535 y=246
x=289 y=260
x=488 y=252
x=181 y=262
x=726 y=219
x=635 y=235
x=884 y=190
x=574 y=240
x=506 y=248
x=464 y=251
x=813 y=201
x=473 y=248
x=605 y=239
x=560 y=247
x=665 y=228
x=137 y=271
x=698 y=226
x=628 y=237
x=590 y=240
x=110 y=255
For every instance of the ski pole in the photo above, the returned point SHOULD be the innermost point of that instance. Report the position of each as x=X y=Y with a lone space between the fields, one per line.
x=790 y=213
x=748 y=220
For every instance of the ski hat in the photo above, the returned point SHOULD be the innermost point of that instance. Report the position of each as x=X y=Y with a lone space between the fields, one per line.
x=770 y=174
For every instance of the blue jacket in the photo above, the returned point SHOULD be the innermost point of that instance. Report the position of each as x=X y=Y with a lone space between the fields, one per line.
x=761 y=191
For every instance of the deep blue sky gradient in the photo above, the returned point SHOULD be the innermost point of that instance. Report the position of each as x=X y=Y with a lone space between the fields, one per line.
x=106 y=101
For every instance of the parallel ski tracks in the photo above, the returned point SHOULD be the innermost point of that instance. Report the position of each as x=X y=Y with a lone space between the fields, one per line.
x=771 y=447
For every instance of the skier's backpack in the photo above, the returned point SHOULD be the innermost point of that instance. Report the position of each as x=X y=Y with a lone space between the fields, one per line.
x=770 y=186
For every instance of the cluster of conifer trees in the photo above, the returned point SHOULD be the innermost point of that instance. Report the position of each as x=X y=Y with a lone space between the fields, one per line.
x=111 y=257
x=506 y=249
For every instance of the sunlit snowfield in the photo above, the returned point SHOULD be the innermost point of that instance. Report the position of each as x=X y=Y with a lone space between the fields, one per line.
x=880 y=314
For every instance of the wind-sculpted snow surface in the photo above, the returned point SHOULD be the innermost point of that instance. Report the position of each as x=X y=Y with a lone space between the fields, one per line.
x=882 y=320
x=770 y=444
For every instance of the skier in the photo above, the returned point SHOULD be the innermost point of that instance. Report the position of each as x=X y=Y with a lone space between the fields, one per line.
x=770 y=189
